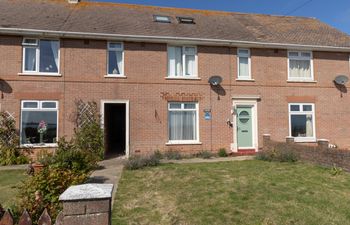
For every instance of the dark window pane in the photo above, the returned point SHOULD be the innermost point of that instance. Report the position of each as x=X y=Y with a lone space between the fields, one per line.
x=307 y=108
x=49 y=56
x=295 y=108
x=30 y=123
x=30 y=105
x=49 y=105
x=298 y=125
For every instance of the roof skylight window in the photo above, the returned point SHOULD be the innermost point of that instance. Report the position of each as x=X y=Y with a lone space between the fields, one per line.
x=188 y=20
x=161 y=19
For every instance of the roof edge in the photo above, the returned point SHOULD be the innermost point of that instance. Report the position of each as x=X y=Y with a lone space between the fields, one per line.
x=167 y=39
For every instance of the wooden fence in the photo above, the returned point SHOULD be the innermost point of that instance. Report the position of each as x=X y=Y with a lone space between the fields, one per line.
x=25 y=219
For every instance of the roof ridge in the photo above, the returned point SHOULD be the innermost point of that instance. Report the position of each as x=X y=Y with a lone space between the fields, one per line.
x=87 y=2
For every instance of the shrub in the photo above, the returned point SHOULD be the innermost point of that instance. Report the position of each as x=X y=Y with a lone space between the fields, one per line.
x=279 y=153
x=88 y=132
x=222 y=152
x=172 y=155
x=9 y=140
x=139 y=162
x=158 y=154
x=335 y=171
x=44 y=188
x=204 y=154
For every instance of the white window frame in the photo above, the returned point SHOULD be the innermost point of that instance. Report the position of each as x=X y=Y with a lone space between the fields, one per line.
x=196 y=141
x=239 y=77
x=183 y=76
x=300 y=57
x=302 y=112
x=39 y=108
x=37 y=59
x=121 y=49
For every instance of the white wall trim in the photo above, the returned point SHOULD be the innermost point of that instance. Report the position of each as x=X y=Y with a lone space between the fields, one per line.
x=254 y=105
x=127 y=120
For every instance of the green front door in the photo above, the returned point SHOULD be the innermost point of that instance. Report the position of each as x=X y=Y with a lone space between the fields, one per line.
x=244 y=127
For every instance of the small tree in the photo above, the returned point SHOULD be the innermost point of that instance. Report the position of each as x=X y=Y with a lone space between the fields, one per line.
x=88 y=132
x=9 y=140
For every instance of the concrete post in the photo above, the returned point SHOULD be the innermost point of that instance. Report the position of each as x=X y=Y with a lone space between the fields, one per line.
x=87 y=204
x=289 y=140
x=266 y=141
x=323 y=143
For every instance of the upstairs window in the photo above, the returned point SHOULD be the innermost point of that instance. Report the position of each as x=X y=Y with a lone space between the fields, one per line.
x=39 y=122
x=302 y=124
x=243 y=64
x=300 y=66
x=115 y=59
x=40 y=56
x=182 y=61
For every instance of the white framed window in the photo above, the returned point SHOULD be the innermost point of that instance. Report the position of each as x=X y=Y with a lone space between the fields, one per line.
x=182 y=61
x=302 y=122
x=39 y=122
x=115 y=59
x=183 y=122
x=243 y=64
x=41 y=56
x=300 y=66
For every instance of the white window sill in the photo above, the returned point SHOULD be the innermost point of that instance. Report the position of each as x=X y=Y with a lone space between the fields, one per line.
x=245 y=79
x=301 y=81
x=41 y=74
x=183 y=143
x=182 y=78
x=304 y=140
x=53 y=145
x=115 y=76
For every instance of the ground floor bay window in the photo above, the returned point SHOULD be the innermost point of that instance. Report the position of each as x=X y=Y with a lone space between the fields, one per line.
x=39 y=122
x=183 y=122
x=302 y=122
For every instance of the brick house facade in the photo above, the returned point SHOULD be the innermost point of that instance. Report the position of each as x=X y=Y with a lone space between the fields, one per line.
x=146 y=90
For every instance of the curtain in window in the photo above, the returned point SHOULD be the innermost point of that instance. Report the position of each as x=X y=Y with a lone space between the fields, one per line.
x=182 y=125
x=309 y=128
x=115 y=60
x=54 y=49
x=175 y=61
x=300 y=68
x=190 y=59
x=30 y=59
x=243 y=67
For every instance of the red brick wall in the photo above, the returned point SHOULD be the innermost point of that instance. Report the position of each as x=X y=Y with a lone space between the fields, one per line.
x=83 y=66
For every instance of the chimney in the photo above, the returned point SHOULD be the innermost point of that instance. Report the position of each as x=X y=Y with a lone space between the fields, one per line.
x=73 y=1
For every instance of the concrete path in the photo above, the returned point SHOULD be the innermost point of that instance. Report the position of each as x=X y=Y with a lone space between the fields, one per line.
x=14 y=167
x=211 y=160
x=109 y=172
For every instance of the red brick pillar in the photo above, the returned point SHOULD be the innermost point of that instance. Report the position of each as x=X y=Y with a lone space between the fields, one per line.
x=87 y=204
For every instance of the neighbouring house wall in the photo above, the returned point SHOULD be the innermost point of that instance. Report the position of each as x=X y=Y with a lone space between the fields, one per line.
x=83 y=66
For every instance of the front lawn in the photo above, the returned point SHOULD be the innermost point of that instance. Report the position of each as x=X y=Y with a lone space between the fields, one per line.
x=9 y=181
x=245 y=192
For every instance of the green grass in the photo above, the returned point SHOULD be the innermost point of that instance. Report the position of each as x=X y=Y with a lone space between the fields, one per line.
x=9 y=181
x=246 y=192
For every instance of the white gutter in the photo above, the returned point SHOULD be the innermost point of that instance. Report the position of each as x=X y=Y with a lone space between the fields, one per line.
x=166 y=39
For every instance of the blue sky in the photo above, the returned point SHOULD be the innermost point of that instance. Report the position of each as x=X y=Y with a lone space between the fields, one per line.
x=335 y=13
